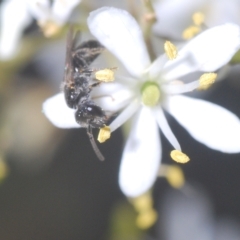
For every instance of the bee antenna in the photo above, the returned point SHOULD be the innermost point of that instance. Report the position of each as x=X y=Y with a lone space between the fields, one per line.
x=94 y=145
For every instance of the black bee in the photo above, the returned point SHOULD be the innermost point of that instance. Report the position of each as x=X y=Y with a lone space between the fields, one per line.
x=78 y=85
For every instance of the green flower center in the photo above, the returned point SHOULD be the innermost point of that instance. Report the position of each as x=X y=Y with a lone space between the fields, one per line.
x=150 y=94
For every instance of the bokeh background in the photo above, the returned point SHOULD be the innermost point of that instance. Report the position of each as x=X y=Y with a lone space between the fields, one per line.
x=54 y=187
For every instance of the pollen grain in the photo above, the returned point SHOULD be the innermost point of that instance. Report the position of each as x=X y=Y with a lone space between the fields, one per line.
x=190 y=32
x=104 y=134
x=170 y=50
x=105 y=75
x=206 y=80
x=179 y=156
x=198 y=18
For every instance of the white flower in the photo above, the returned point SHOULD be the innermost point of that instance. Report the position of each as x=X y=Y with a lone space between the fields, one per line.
x=174 y=16
x=16 y=15
x=51 y=17
x=150 y=89
x=14 y=18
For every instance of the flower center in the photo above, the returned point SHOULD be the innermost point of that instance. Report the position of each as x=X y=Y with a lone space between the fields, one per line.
x=150 y=94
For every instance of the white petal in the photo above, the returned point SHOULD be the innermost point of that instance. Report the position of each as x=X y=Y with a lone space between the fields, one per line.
x=39 y=9
x=157 y=66
x=14 y=18
x=219 y=13
x=141 y=156
x=112 y=97
x=119 y=32
x=207 y=52
x=61 y=10
x=57 y=111
x=207 y=122
x=174 y=16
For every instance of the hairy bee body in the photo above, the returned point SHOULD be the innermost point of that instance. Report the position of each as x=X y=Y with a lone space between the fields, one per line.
x=78 y=84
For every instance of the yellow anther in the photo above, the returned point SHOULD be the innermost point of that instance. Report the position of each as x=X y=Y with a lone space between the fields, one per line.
x=147 y=216
x=105 y=75
x=206 y=80
x=170 y=50
x=198 y=18
x=179 y=156
x=175 y=176
x=49 y=28
x=142 y=202
x=146 y=219
x=104 y=134
x=190 y=32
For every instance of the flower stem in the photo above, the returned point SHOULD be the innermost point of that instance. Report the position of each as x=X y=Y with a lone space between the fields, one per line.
x=148 y=19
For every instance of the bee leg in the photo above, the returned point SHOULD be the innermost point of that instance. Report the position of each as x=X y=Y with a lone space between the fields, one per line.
x=94 y=145
x=95 y=84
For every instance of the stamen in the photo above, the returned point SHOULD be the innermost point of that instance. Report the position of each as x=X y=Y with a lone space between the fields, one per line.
x=207 y=80
x=105 y=75
x=146 y=219
x=165 y=128
x=198 y=18
x=104 y=134
x=190 y=32
x=173 y=174
x=179 y=87
x=124 y=115
x=170 y=50
x=150 y=94
x=49 y=28
x=147 y=216
x=156 y=67
x=179 y=156
x=142 y=202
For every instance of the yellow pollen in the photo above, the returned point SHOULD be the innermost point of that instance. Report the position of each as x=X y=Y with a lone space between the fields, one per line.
x=49 y=28
x=142 y=202
x=198 y=18
x=190 y=32
x=104 y=134
x=150 y=94
x=170 y=50
x=146 y=219
x=147 y=216
x=206 y=80
x=105 y=75
x=179 y=156
x=175 y=176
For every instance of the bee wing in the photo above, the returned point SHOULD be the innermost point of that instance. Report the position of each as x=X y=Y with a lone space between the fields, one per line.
x=68 y=75
x=76 y=39
x=86 y=53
